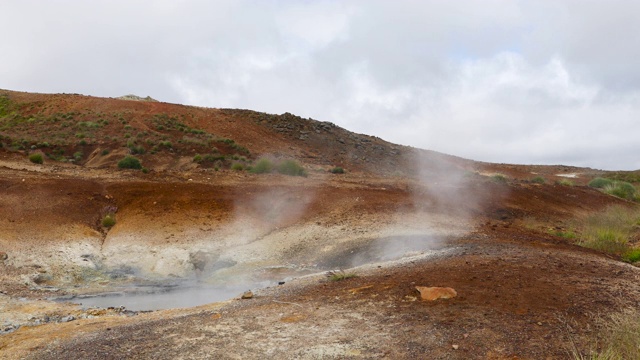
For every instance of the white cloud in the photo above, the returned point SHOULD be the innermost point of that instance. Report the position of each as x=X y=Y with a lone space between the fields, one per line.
x=498 y=80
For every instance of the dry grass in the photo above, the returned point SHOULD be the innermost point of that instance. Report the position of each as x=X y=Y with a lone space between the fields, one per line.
x=617 y=337
x=610 y=230
x=338 y=275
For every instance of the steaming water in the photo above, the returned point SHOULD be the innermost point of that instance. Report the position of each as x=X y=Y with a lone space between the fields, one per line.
x=167 y=296
x=163 y=297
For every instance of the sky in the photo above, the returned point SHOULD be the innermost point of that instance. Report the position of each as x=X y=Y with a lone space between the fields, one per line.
x=507 y=81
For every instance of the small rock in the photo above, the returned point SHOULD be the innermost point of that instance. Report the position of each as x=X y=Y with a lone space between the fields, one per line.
x=3 y=256
x=539 y=323
x=435 y=293
x=247 y=295
x=455 y=346
x=68 y=318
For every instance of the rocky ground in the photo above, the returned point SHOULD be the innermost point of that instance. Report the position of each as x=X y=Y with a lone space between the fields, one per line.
x=419 y=220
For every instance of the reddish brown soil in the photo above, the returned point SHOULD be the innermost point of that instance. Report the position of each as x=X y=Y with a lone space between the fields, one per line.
x=522 y=292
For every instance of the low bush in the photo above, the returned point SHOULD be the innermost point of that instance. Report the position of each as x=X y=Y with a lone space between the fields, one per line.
x=262 y=166
x=237 y=167
x=36 y=158
x=291 y=168
x=621 y=189
x=129 y=162
x=538 y=180
x=197 y=158
x=600 y=183
x=108 y=220
x=499 y=178
x=632 y=255
x=337 y=170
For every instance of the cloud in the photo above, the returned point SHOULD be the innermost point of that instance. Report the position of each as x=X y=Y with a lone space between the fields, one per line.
x=498 y=80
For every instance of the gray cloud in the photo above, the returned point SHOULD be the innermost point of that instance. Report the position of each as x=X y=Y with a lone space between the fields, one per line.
x=500 y=80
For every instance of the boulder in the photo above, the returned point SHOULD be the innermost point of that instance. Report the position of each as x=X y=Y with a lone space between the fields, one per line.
x=435 y=293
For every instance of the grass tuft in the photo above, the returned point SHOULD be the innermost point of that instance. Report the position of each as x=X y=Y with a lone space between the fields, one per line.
x=565 y=182
x=262 y=166
x=610 y=230
x=617 y=337
x=292 y=168
x=538 y=180
x=500 y=178
x=600 y=183
x=621 y=189
x=339 y=275
x=36 y=158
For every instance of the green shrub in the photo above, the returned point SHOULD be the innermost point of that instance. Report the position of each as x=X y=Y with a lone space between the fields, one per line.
x=109 y=220
x=599 y=183
x=77 y=156
x=621 y=189
x=538 y=180
x=262 y=166
x=237 y=167
x=145 y=170
x=129 y=162
x=569 y=234
x=105 y=152
x=632 y=256
x=291 y=168
x=197 y=158
x=337 y=170
x=499 y=178
x=36 y=158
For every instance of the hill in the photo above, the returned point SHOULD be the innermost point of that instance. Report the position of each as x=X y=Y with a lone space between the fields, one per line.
x=534 y=254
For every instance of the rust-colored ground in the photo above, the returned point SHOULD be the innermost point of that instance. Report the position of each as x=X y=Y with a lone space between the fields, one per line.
x=523 y=293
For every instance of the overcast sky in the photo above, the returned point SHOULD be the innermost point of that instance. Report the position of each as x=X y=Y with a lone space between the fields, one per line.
x=544 y=82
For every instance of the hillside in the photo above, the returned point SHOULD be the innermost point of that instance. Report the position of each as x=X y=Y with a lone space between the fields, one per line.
x=196 y=226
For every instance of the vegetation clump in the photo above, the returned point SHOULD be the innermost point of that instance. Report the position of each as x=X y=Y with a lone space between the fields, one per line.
x=600 y=183
x=500 y=178
x=621 y=189
x=565 y=182
x=339 y=275
x=237 y=166
x=337 y=170
x=610 y=230
x=617 y=336
x=538 y=180
x=129 y=162
x=36 y=158
x=262 y=166
x=108 y=220
x=291 y=168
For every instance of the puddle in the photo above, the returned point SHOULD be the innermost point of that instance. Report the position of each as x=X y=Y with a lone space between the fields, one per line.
x=160 y=298
x=227 y=282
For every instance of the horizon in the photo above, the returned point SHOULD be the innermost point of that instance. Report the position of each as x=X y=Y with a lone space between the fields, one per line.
x=501 y=81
